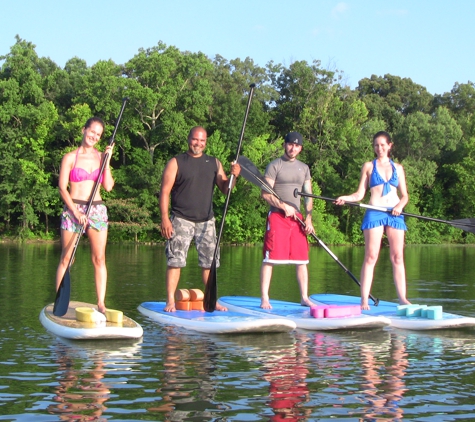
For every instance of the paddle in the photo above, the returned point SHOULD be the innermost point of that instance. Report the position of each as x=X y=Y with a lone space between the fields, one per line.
x=466 y=224
x=61 y=302
x=251 y=173
x=211 y=290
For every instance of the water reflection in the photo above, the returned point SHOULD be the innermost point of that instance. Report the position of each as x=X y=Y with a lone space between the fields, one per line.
x=286 y=370
x=82 y=390
x=384 y=385
x=186 y=384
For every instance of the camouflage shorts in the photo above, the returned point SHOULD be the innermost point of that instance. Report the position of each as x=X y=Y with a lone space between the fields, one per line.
x=184 y=231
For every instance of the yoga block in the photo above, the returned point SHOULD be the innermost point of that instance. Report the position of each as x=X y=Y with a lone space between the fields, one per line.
x=342 y=311
x=197 y=305
x=182 y=295
x=402 y=309
x=415 y=310
x=434 y=312
x=183 y=305
x=114 y=316
x=196 y=294
x=318 y=311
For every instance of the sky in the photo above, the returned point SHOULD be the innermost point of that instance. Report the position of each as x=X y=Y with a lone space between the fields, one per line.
x=429 y=41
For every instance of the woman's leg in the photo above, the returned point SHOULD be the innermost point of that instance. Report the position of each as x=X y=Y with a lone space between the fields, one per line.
x=372 y=239
x=67 y=241
x=396 y=251
x=98 y=241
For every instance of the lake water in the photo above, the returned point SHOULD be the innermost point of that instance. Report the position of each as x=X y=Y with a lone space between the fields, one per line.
x=175 y=375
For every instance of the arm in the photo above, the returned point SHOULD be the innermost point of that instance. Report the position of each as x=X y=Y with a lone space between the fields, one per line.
x=363 y=185
x=222 y=180
x=404 y=198
x=168 y=180
x=66 y=165
x=272 y=200
x=107 y=179
x=308 y=204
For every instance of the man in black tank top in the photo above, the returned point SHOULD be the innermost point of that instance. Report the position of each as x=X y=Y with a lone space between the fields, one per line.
x=189 y=179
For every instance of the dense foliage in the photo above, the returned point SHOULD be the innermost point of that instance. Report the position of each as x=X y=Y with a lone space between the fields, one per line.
x=43 y=107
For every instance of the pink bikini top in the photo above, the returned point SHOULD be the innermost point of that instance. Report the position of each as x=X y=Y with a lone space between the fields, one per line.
x=80 y=175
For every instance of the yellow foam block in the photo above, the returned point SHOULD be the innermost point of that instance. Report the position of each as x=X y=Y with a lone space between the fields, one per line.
x=113 y=315
x=85 y=314
x=182 y=295
x=197 y=305
x=196 y=294
x=183 y=305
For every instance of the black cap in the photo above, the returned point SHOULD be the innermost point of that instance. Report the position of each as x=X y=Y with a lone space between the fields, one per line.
x=294 y=138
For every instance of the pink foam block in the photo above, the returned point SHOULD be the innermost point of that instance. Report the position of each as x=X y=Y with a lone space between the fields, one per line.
x=318 y=311
x=334 y=311
x=342 y=311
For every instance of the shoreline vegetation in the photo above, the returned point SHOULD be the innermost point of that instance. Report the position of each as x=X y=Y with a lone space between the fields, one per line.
x=43 y=107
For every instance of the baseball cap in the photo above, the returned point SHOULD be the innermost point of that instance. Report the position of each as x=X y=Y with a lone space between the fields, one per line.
x=294 y=138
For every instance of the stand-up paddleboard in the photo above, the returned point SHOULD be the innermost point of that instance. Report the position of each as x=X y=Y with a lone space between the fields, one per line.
x=299 y=314
x=217 y=322
x=68 y=326
x=390 y=310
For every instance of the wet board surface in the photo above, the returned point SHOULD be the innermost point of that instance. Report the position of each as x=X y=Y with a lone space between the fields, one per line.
x=389 y=310
x=217 y=322
x=300 y=314
x=68 y=327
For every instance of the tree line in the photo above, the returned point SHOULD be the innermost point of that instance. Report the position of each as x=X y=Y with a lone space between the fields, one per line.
x=43 y=108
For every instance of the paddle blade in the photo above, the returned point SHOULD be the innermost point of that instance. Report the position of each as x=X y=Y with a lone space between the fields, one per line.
x=61 y=303
x=211 y=290
x=466 y=224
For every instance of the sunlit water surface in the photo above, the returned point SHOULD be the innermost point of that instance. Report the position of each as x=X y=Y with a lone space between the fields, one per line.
x=176 y=375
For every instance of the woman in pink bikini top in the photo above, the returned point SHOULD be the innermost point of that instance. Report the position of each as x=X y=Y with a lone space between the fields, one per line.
x=79 y=172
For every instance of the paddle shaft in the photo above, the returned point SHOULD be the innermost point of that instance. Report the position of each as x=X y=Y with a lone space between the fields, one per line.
x=376 y=208
x=257 y=178
x=211 y=294
x=61 y=302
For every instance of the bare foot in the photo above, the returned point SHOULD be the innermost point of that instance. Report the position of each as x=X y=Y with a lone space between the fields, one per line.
x=306 y=302
x=404 y=302
x=221 y=307
x=265 y=304
x=169 y=307
x=364 y=305
x=101 y=309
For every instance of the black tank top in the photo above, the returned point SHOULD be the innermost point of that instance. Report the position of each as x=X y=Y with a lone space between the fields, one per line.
x=192 y=193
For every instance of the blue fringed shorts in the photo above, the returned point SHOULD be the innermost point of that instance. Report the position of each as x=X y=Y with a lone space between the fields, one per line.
x=374 y=219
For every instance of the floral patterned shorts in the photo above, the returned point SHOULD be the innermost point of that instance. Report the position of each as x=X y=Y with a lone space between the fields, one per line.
x=97 y=220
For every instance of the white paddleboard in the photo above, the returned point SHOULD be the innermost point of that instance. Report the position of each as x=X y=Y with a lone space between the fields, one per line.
x=389 y=310
x=300 y=314
x=217 y=322
x=68 y=327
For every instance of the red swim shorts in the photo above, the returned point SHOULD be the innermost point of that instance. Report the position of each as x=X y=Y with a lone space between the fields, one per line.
x=285 y=241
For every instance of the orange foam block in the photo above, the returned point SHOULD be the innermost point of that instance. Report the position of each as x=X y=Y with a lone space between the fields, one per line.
x=182 y=295
x=196 y=294
x=183 y=305
x=197 y=305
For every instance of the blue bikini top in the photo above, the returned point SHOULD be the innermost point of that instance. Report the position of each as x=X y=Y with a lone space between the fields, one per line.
x=377 y=180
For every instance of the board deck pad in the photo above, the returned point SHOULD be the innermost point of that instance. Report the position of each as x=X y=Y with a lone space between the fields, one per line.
x=217 y=322
x=389 y=310
x=68 y=326
x=300 y=314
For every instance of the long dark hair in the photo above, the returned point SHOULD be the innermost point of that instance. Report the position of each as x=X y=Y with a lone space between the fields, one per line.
x=92 y=120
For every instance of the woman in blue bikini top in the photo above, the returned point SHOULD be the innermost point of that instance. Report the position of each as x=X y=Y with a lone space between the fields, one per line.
x=385 y=179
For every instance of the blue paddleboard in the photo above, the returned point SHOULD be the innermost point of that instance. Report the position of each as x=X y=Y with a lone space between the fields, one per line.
x=389 y=310
x=300 y=314
x=217 y=322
